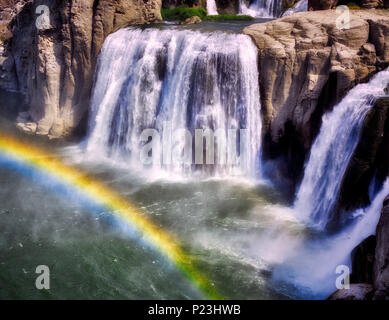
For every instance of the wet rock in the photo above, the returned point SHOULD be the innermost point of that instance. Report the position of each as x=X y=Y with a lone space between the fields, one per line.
x=357 y=291
x=381 y=265
x=321 y=4
x=370 y=4
x=362 y=261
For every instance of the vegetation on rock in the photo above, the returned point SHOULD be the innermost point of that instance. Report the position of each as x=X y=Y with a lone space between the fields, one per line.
x=181 y=13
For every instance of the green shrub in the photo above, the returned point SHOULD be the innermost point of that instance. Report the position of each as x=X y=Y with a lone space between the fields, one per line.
x=183 y=12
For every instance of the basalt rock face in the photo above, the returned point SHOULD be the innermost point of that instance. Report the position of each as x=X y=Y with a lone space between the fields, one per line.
x=228 y=6
x=53 y=66
x=381 y=263
x=307 y=63
x=363 y=261
x=321 y=4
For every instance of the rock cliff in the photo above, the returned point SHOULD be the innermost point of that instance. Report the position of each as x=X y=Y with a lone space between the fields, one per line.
x=53 y=67
x=307 y=63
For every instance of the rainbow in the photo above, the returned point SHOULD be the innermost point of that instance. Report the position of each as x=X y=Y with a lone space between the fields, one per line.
x=166 y=244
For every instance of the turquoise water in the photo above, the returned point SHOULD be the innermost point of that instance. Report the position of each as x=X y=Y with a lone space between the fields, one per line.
x=227 y=226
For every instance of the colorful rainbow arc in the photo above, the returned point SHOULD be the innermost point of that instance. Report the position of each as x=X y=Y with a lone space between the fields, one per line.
x=49 y=164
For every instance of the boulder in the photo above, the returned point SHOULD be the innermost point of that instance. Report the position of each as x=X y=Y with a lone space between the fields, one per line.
x=229 y=6
x=357 y=291
x=192 y=20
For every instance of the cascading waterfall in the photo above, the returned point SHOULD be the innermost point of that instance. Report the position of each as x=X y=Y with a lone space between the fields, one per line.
x=187 y=79
x=261 y=8
x=211 y=7
x=313 y=266
x=332 y=150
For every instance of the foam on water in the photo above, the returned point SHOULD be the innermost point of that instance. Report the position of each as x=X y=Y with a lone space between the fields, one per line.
x=331 y=152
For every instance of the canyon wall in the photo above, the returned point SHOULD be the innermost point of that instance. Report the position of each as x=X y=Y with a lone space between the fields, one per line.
x=53 y=67
x=306 y=65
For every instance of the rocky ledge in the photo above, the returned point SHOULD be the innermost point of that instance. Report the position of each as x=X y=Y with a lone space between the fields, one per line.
x=52 y=68
x=307 y=63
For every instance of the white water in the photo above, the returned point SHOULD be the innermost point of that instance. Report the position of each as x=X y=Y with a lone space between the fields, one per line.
x=312 y=268
x=203 y=80
x=261 y=8
x=332 y=150
x=193 y=80
x=211 y=8
x=300 y=6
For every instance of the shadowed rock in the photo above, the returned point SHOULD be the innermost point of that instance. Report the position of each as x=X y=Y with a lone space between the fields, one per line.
x=362 y=261
x=381 y=264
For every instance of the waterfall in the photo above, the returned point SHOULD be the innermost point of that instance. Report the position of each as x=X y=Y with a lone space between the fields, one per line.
x=176 y=79
x=313 y=266
x=261 y=8
x=332 y=150
x=300 y=6
x=211 y=8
